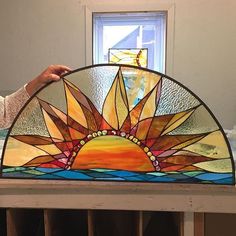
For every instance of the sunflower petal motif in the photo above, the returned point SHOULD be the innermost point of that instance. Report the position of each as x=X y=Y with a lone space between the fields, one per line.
x=121 y=125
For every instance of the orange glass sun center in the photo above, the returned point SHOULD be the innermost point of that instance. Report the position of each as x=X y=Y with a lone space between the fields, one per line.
x=112 y=152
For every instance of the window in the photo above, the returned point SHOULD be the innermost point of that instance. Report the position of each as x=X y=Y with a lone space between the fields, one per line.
x=130 y=31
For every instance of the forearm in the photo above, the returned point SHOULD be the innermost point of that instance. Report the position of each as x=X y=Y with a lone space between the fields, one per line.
x=33 y=86
x=10 y=106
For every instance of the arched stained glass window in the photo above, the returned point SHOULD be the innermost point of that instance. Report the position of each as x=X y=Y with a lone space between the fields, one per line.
x=117 y=123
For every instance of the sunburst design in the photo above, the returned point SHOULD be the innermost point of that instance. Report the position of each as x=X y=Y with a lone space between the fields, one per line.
x=122 y=137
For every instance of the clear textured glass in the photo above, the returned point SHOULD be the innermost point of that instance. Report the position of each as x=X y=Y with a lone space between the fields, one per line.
x=175 y=98
x=30 y=120
x=95 y=82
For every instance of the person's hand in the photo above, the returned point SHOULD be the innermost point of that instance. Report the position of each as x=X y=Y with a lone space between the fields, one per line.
x=52 y=73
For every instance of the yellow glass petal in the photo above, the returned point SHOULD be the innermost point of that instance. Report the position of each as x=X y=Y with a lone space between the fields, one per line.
x=149 y=107
x=177 y=120
x=121 y=103
x=151 y=80
x=185 y=153
x=60 y=114
x=182 y=145
x=74 y=109
x=213 y=146
x=109 y=106
x=56 y=140
x=75 y=134
x=52 y=128
x=136 y=111
x=143 y=129
x=122 y=88
x=218 y=166
x=50 y=149
x=18 y=153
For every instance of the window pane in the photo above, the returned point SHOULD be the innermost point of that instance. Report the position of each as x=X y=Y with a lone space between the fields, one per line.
x=130 y=30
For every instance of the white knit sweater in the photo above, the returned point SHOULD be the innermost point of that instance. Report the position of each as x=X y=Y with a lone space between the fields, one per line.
x=10 y=106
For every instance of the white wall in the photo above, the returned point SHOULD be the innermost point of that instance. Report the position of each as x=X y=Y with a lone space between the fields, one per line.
x=35 y=34
x=205 y=53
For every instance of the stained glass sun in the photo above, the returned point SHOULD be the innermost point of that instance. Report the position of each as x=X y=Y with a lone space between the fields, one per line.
x=132 y=133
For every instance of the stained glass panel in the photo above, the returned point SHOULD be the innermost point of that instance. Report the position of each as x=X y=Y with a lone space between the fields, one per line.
x=133 y=56
x=117 y=123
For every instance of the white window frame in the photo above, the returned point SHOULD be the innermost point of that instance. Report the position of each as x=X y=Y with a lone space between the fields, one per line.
x=158 y=21
x=131 y=7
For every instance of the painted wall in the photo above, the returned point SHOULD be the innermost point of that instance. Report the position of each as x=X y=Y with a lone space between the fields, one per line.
x=35 y=34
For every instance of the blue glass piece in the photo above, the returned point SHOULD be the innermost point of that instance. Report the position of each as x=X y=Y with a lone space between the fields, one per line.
x=145 y=177
x=193 y=173
x=101 y=170
x=9 y=170
x=98 y=174
x=111 y=179
x=162 y=179
x=135 y=178
x=17 y=175
x=122 y=173
x=156 y=173
x=189 y=180
x=47 y=170
x=213 y=176
x=224 y=181
x=68 y=174
x=179 y=176
x=49 y=176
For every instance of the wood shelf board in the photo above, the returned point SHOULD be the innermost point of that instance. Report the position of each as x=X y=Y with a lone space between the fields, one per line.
x=107 y=185
x=117 y=196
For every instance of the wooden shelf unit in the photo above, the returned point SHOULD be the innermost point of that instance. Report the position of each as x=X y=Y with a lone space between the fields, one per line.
x=40 y=207
x=62 y=222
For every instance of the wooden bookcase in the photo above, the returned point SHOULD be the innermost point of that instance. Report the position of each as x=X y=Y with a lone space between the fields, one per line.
x=39 y=207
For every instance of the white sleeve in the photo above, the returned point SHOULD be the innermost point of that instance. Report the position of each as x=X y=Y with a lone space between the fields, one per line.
x=10 y=106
